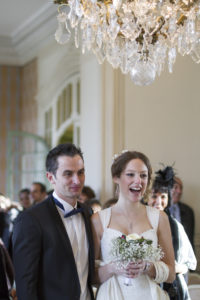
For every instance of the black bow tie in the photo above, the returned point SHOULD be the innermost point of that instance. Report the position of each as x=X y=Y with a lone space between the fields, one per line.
x=72 y=212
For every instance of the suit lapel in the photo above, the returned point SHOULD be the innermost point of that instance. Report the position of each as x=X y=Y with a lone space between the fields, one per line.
x=86 y=216
x=60 y=228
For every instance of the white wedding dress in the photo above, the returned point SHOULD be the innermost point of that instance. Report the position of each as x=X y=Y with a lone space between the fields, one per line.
x=143 y=287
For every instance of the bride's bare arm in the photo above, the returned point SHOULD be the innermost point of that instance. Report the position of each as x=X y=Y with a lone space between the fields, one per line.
x=165 y=241
x=102 y=273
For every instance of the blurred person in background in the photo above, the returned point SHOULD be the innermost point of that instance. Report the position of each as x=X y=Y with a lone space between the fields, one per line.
x=9 y=210
x=6 y=274
x=6 y=267
x=24 y=198
x=7 y=292
x=5 y=220
x=181 y=211
x=86 y=194
x=185 y=259
x=38 y=192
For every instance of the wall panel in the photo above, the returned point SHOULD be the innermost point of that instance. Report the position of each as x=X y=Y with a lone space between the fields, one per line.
x=18 y=87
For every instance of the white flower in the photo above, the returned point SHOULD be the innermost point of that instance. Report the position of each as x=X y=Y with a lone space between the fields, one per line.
x=133 y=236
x=133 y=248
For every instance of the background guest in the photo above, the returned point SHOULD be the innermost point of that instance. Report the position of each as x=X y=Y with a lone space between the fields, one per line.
x=4 y=220
x=24 y=198
x=6 y=273
x=86 y=194
x=38 y=192
x=181 y=211
x=160 y=198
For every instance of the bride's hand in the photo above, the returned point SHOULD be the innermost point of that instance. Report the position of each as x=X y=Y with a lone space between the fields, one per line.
x=134 y=269
x=114 y=269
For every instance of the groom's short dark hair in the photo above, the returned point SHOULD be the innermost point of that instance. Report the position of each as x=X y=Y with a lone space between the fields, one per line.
x=67 y=149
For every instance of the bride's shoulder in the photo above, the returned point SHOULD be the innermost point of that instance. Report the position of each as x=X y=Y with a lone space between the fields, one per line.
x=152 y=211
x=105 y=211
x=163 y=219
x=95 y=217
x=101 y=218
x=160 y=215
x=100 y=215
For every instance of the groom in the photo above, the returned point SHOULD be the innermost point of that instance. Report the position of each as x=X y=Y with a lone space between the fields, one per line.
x=52 y=241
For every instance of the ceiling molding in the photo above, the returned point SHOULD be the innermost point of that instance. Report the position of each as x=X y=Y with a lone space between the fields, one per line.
x=27 y=39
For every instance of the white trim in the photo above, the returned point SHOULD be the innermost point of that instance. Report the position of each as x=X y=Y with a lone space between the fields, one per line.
x=74 y=119
x=25 y=42
x=34 y=20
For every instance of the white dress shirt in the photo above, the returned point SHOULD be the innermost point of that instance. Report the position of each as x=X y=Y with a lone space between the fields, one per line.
x=75 y=228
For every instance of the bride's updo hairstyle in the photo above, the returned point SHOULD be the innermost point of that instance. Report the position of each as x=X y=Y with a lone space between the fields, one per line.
x=120 y=161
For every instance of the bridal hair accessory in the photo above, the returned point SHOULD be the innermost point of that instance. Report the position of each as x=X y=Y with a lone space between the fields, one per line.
x=133 y=248
x=115 y=156
x=162 y=272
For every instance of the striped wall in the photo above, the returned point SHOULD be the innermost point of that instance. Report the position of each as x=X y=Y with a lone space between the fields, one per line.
x=18 y=87
x=28 y=101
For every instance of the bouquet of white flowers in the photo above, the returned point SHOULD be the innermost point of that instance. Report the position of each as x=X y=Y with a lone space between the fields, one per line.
x=132 y=248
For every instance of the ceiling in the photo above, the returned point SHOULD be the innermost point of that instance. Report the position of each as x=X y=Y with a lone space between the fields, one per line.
x=25 y=26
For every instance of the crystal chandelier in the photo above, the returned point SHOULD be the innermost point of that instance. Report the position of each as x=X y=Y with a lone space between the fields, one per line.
x=139 y=36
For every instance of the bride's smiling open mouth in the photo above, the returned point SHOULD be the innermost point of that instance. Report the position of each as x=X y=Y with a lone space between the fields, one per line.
x=135 y=189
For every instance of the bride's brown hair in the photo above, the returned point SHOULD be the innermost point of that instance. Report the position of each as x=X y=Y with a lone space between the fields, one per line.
x=120 y=162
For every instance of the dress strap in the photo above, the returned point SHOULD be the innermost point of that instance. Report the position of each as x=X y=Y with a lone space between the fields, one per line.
x=105 y=215
x=153 y=215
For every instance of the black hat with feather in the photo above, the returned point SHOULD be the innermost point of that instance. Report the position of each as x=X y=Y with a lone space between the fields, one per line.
x=164 y=181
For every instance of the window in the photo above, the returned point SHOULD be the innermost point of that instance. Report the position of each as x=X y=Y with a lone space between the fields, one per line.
x=67 y=136
x=62 y=119
x=64 y=105
x=78 y=107
x=48 y=127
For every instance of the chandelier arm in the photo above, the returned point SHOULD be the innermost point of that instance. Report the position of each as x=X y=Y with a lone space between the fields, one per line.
x=62 y=5
x=60 y=2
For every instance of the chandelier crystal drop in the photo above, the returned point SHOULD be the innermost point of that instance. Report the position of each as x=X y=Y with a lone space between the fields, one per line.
x=137 y=36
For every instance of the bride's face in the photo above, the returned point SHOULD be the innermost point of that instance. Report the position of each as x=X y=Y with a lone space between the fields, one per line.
x=133 y=180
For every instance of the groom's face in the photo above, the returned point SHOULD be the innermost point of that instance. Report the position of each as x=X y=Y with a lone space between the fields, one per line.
x=69 y=178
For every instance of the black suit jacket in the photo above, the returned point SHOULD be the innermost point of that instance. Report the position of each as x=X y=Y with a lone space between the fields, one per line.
x=44 y=264
x=4 y=294
x=4 y=228
x=187 y=220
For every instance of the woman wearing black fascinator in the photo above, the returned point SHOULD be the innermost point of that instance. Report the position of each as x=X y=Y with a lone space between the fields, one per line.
x=185 y=259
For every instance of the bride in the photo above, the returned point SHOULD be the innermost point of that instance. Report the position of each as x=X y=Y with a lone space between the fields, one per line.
x=131 y=171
